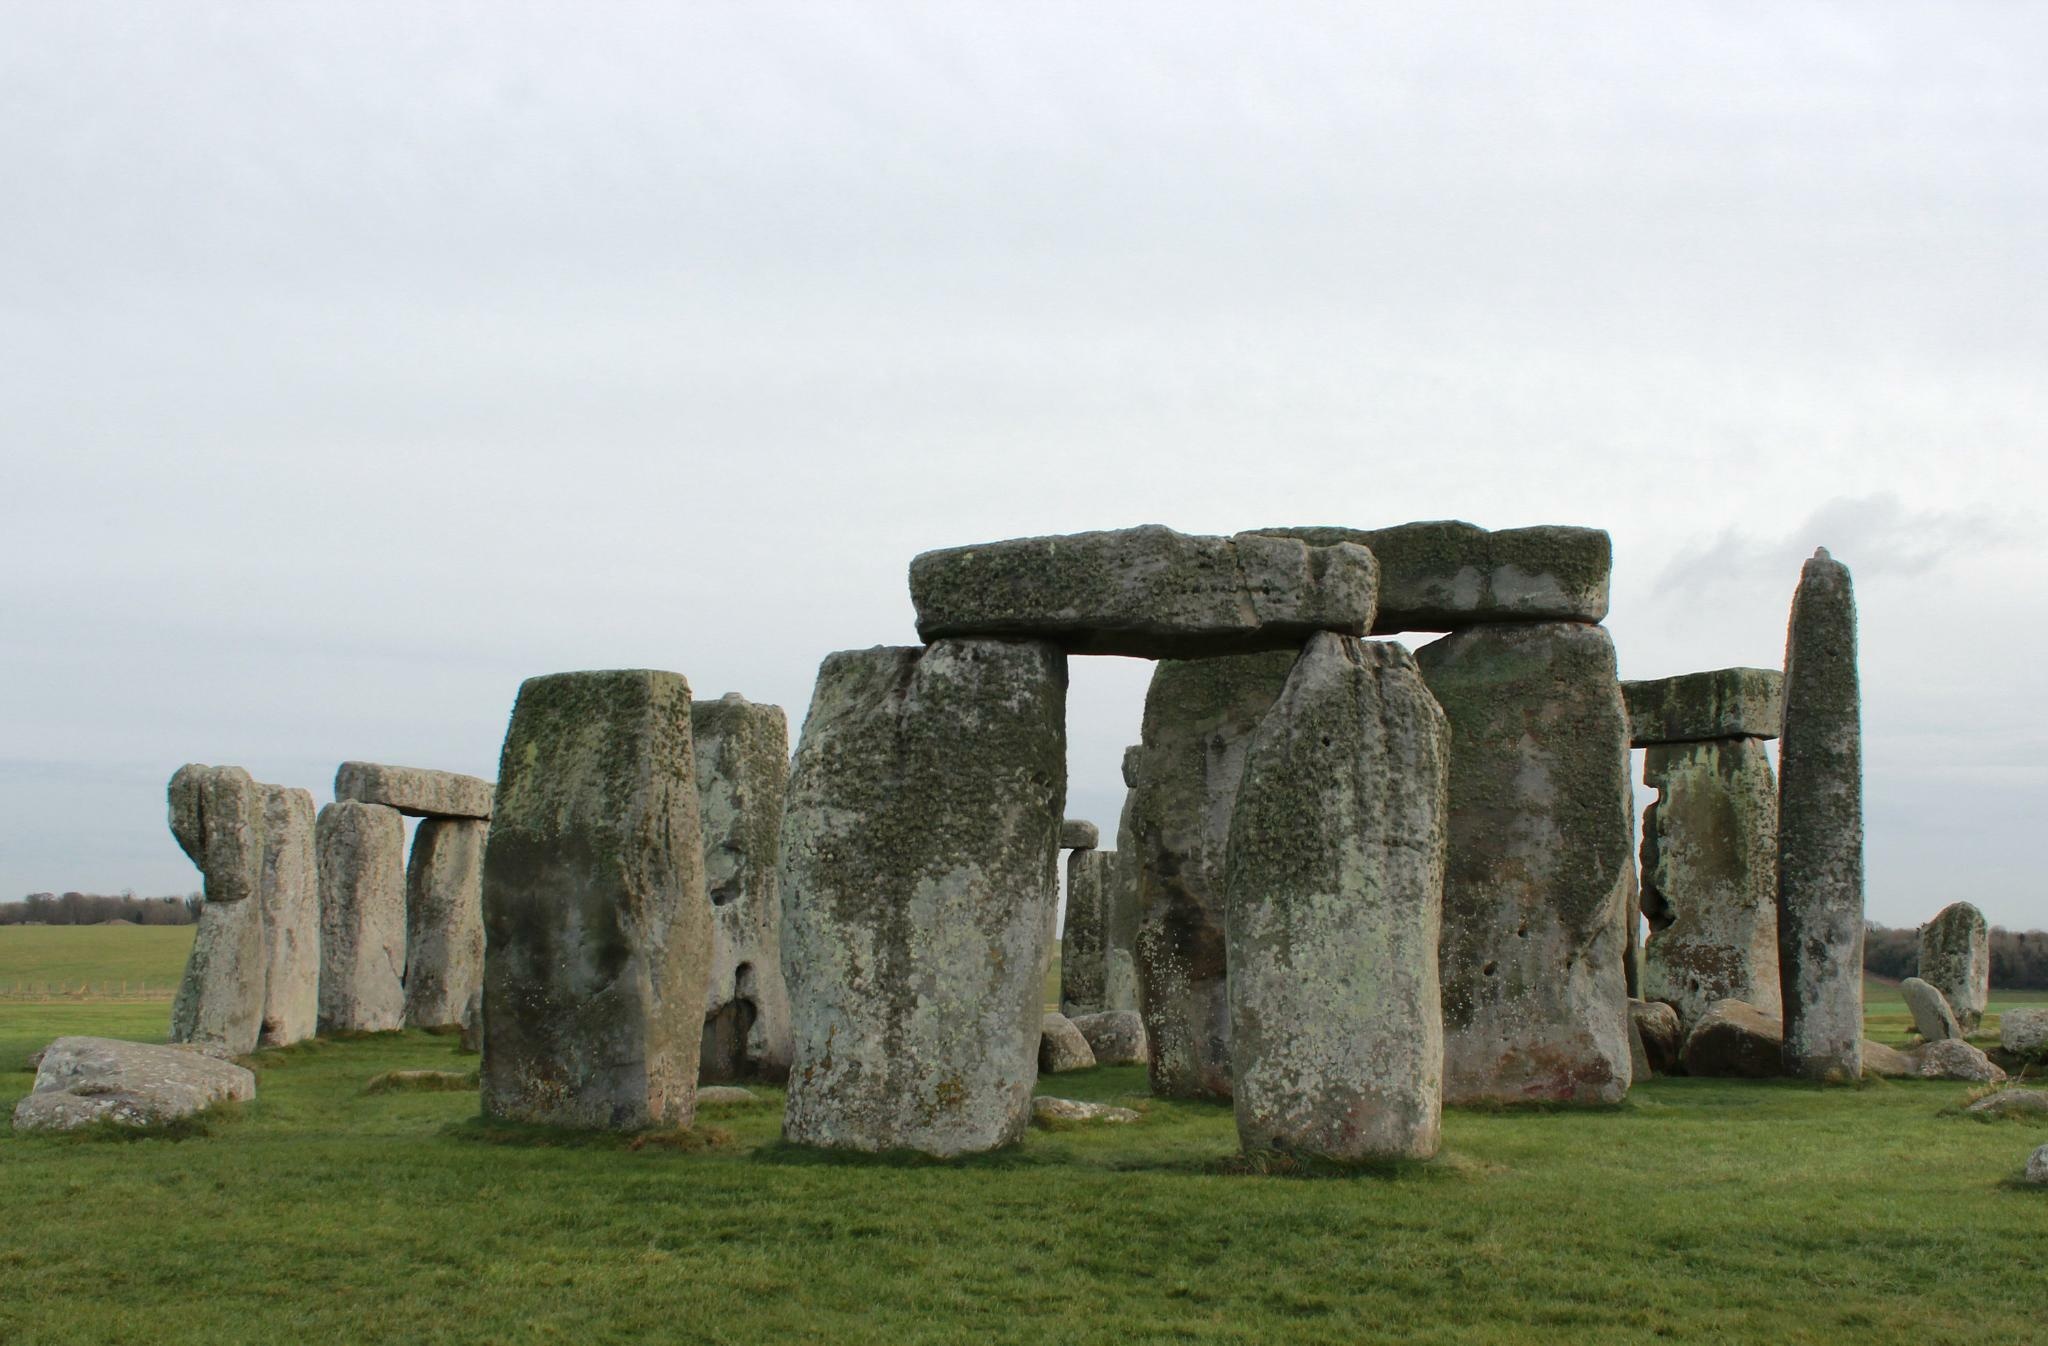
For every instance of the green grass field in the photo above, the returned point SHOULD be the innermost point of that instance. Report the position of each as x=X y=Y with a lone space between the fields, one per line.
x=34 y=956
x=1699 y=1211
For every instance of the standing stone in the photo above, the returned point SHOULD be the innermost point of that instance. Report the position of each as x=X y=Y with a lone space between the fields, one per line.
x=1933 y=1019
x=1199 y=719
x=1632 y=936
x=1535 y=1005
x=217 y=817
x=444 y=920
x=1955 y=956
x=1120 y=919
x=918 y=850
x=596 y=924
x=1710 y=877
x=362 y=917
x=1335 y=877
x=1820 y=830
x=1083 y=968
x=742 y=752
x=289 y=889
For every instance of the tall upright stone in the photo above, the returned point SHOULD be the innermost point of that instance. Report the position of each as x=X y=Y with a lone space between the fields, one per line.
x=362 y=917
x=444 y=920
x=1709 y=877
x=216 y=814
x=597 y=927
x=289 y=890
x=1534 y=1000
x=1083 y=946
x=742 y=754
x=1335 y=876
x=1120 y=920
x=918 y=849
x=1199 y=719
x=1820 y=830
x=1955 y=958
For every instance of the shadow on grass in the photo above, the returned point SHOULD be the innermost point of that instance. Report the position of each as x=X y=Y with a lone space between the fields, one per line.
x=523 y=1135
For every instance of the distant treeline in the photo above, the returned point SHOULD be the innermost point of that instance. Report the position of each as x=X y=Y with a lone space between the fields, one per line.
x=2019 y=958
x=93 y=908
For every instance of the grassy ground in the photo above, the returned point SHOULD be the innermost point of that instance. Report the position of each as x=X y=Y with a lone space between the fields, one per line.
x=1699 y=1211
x=34 y=956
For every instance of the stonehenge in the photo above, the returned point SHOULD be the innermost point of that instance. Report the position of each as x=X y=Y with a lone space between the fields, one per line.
x=597 y=924
x=1709 y=839
x=1083 y=950
x=414 y=791
x=289 y=891
x=217 y=816
x=1933 y=1020
x=362 y=917
x=1955 y=958
x=444 y=920
x=1820 y=830
x=86 y=1081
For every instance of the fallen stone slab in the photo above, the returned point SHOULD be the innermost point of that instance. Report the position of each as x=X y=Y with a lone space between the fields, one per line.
x=1047 y=1111
x=1735 y=1041
x=597 y=927
x=1689 y=708
x=1932 y=1018
x=85 y=1080
x=1335 y=881
x=725 y=1095
x=2023 y=1031
x=1147 y=592
x=361 y=851
x=2012 y=1103
x=1954 y=1059
x=414 y=791
x=1446 y=575
x=1117 y=1037
x=1887 y=1062
x=1078 y=834
x=444 y=920
x=2037 y=1166
x=1061 y=1047
x=1662 y=1036
x=1955 y=957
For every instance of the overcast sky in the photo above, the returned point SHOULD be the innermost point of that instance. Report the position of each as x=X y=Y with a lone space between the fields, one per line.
x=359 y=360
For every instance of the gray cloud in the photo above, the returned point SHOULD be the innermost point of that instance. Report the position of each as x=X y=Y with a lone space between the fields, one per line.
x=1883 y=535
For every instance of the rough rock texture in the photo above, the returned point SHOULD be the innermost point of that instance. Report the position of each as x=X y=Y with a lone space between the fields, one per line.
x=444 y=920
x=1447 y=575
x=1120 y=919
x=1932 y=1017
x=1820 y=829
x=1148 y=592
x=1724 y=703
x=216 y=814
x=742 y=752
x=1735 y=1040
x=1046 y=1111
x=725 y=1094
x=1710 y=877
x=1955 y=956
x=1083 y=967
x=1535 y=1003
x=81 y=1081
x=1061 y=1047
x=473 y=1022
x=597 y=927
x=1117 y=1037
x=1199 y=719
x=2012 y=1103
x=1886 y=1062
x=1662 y=1034
x=2024 y=1032
x=289 y=890
x=1078 y=834
x=414 y=791
x=1955 y=1059
x=1632 y=935
x=1334 y=877
x=918 y=846
x=362 y=917
x=2037 y=1166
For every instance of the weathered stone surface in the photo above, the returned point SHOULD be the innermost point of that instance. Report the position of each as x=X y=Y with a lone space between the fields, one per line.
x=1446 y=575
x=1955 y=957
x=742 y=752
x=597 y=927
x=1061 y=1047
x=1048 y=1111
x=81 y=1081
x=289 y=891
x=1148 y=592
x=2023 y=1031
x=727 y=1095
x=362 y=917
x=1535 y=1003
x=1723 y=703
x=1199 y=719
x=1632 y=935
x=473 y=1022
x=444 y=920
x=1638 y=1055
x=217 y=817
x=1662 y=1034
x=918 y=846
x=1078 y=834
x=1120 y=919
x=2012 y=1103
x=1932 y=1018
x=1117 y=1037
x=2037 y=1166
x=1710 y=877
x=414 y=791
x=1887 y=1062
x=1083 y=966
x=1955 y=1059
x=1735 y=1040
x=1334 y=878
x=1820 y=829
